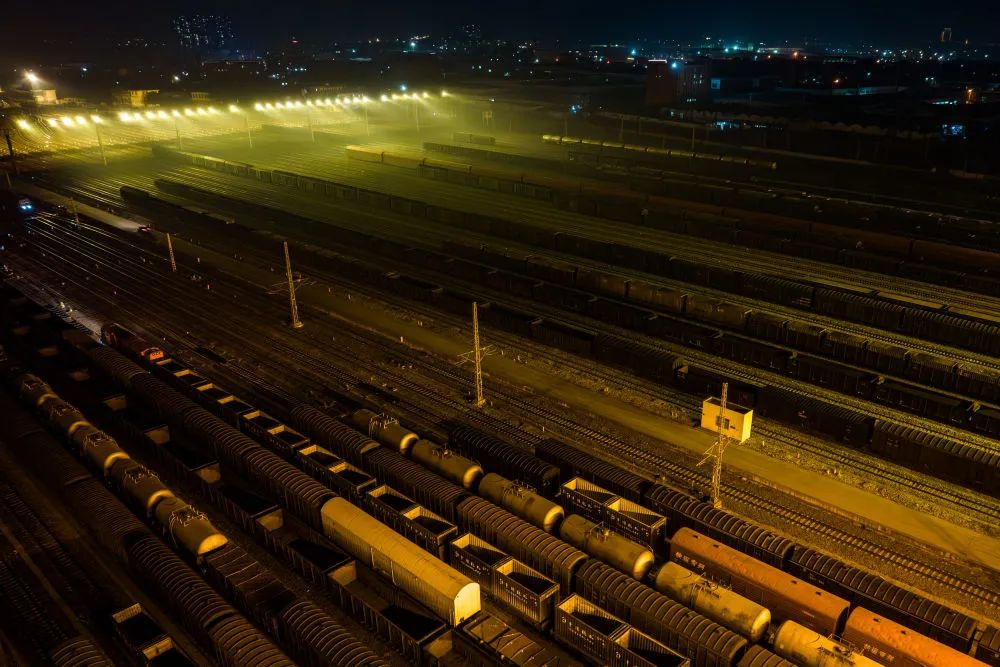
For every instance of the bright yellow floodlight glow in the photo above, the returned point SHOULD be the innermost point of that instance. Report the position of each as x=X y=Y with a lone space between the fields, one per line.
x=212 y=110
x=162 y=114
x=188 y=112
x=233 y=108
x=309 y=103
x=328 y=101
x=280 y=105
x=444 y=93
x=426 y=94
x=124 y=116
x=150 y=115
x=269 y=106
x=299 y=103
x=81 y=120
x=175 y=113
x=97 y=119
x=31 y=77
x=53 y=122
x=258 y=107
x=395 y=96
x=384 y=98
x=66 y=120
x=23 y=124
x=366 y=99
x=201 y=111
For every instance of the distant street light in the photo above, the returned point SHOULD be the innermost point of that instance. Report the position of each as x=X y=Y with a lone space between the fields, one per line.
x=32 y=79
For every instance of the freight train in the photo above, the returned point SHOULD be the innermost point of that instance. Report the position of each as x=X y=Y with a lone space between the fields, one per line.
x=960 y=631
x=650 y=308
x=227 y=565
x=816 y=228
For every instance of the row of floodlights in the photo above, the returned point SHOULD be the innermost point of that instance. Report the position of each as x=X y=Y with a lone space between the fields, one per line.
x=128 y=117
x=340 y=101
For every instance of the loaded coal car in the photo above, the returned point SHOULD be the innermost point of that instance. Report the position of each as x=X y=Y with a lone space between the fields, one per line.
x=829 y=374
x=559 y=296
x=622 y=314
x=767 y=326
x=563 y=336
x=925 y=403
x=813 y=415
x=986 y=420
x=644 y=360
x=777 y=290
x=679 y=331
x=754 y=353
x=601 y=282
x=720 y=313
x=703 y=382
x=861 y=308
x=663 y=298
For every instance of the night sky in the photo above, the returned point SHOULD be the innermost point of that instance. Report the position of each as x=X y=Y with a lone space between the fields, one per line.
x=262 y=23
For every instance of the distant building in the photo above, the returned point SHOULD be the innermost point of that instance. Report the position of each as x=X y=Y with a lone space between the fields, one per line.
x=132 y=97
x=676 y=82
x=946 y=35
x=204 y=32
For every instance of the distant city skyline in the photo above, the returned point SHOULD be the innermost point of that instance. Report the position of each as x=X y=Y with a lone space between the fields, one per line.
x=257 y=24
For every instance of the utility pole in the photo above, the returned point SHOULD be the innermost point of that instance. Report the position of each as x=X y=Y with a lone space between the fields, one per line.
x=716 y=451
x=100 y=144
x=13 y=155
x=246 y=122
x=76 y=213
x=170 y=251
x=312 y=134
x=296 y=322
x=177 y=131
x=476 y=356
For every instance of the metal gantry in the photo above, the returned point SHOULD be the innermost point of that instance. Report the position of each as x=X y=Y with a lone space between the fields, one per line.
x=296 y=322
x=476 y=355
x=170 y=250
x=715 y=451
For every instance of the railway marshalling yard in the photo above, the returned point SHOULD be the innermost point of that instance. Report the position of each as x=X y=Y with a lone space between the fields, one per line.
x=609 y=314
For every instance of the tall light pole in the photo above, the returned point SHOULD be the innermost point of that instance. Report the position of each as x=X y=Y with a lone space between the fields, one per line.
x=246 y=122
x=177 y=131
x=312 y=134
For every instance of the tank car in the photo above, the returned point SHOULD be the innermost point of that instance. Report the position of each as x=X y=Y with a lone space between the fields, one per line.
x=385 y=431
x=189 y=527
x=99 y=448
x=446 y=463
x=717 y=603
x=65 y=418
x=788 y=597
x=633 y=559
x=809 y=649
x=142 y=486
x=522 y=501
x=34 y=389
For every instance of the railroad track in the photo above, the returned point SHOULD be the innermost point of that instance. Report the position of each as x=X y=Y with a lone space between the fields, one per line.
x=201 y=178
x=630 y=455
x=722 y=255
x=841 y=458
